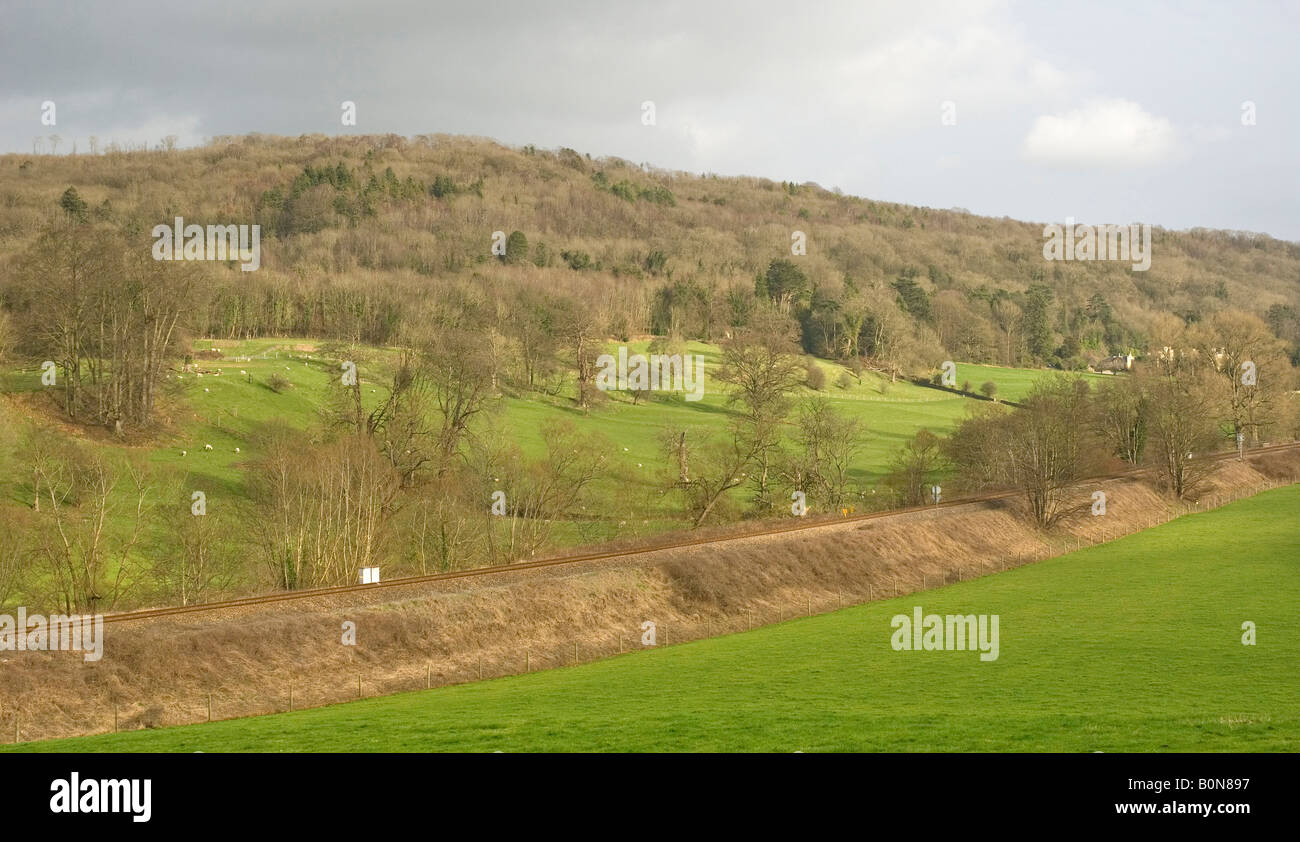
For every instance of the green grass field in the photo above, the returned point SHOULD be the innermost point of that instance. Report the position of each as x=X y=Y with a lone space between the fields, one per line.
x=1134 y=645
x=228 y=410
x=1014 y=383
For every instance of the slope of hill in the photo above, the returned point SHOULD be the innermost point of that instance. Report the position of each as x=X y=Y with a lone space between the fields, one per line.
x=1135 y=645
x=470 y=290
x=231 y=407
x=358 y=229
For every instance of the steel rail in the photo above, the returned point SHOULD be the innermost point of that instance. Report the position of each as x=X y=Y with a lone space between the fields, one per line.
x=557 y=561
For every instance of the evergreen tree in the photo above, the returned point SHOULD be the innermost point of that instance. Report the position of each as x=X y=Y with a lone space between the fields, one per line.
x=1038 y=321
x=73 y=204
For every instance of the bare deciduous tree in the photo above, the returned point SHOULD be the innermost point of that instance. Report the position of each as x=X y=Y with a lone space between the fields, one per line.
x=1181 y=429
x=1120 y=409
x=915 y=468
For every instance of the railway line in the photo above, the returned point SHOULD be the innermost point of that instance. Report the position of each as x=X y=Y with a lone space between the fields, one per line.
x=580 y=558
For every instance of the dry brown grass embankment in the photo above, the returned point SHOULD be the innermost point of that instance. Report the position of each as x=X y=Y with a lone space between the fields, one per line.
x=250 y=662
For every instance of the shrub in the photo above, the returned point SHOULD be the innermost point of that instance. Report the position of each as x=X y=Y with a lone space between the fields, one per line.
x=278 y=382
x=516 y=248
x=815 y=378
x=577 y=260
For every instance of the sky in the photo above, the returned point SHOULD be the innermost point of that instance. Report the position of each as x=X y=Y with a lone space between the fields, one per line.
x=1178 y=114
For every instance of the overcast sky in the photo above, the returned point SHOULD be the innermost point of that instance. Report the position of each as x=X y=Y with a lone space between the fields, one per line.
x=1106 y=112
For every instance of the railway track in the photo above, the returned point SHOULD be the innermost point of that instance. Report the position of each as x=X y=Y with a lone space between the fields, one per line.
x=559 y=561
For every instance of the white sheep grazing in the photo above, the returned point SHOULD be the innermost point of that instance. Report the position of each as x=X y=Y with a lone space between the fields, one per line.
x=206 y=390
x=200 y=374
x=245 y=373
x=236 y=450
x=183 y=452
x=207 y=447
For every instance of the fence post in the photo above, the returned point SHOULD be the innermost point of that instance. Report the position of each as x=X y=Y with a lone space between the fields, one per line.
x=480 y=667
x=358 y=685
x=115 y=717
x=575 y=653
x=428 y=676
x=209 y=707
x=16 y=732
x=528 y=660
x=291 y=697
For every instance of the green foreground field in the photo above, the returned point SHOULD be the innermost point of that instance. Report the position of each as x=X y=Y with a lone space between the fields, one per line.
x=1134 y=645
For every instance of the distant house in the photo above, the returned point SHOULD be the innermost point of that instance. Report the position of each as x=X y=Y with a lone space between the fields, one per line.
x=1110 y=365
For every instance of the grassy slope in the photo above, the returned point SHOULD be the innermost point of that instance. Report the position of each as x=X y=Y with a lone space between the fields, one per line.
x=1013 y=383
x=229 y=410
x=232 y=409
x=1134 y=645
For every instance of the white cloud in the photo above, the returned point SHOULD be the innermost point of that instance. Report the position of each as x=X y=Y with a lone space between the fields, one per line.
x=982 y=67
x=1103 y=133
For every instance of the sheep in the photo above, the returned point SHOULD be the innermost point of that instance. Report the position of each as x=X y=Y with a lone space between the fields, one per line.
x=207 y=447
x=207 y=390
x=236 y=450
x=245 y=373
x=183 y=452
